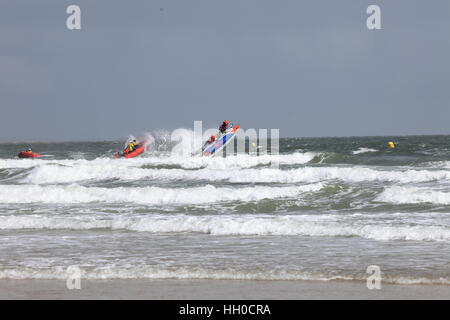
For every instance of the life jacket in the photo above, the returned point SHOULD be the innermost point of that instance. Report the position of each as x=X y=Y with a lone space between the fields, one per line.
x=131 y=146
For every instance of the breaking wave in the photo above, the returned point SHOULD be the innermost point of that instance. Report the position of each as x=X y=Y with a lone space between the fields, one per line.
x=406 y=195
x=364 y=150
x=49 y=174
x=145 y=195
x=242 y=225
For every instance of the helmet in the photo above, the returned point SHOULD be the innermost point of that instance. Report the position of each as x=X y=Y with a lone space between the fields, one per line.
x=28 y=149
x=226 y=122
x=213 y=138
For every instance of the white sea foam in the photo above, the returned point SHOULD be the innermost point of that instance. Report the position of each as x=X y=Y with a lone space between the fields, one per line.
x=20 y=163
x=48 y=174
x=237 y=161
x=261 y=225
x=364 y=150
x=145 y=195
x=405 y=195
x=151 y=272
x=148 y=272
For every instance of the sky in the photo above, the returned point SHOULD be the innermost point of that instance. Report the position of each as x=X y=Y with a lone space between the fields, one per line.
x=308 y=68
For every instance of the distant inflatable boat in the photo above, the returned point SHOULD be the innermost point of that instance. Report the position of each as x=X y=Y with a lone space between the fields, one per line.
x=139 y=150
x=26 y=154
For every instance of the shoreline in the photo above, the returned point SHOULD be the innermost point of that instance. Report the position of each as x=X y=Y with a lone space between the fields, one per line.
x=145 y=289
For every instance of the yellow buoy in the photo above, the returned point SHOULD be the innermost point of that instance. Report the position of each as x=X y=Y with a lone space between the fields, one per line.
x=391 y=144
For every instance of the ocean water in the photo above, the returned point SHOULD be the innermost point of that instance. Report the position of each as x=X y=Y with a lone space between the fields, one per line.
x=333 y=207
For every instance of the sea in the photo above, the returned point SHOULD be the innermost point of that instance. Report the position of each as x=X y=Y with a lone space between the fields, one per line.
x=319 y=209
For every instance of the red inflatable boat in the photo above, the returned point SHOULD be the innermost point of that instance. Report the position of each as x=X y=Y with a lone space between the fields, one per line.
x=127 y=154
x=26 y=154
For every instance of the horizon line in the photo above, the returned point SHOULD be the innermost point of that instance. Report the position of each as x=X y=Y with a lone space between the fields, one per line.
x=286 y=137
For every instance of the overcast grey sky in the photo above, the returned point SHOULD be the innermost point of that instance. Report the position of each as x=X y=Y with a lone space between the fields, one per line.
x=310 y=68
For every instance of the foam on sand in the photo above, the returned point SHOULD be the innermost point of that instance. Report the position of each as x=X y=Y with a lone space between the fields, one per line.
x=151 y=272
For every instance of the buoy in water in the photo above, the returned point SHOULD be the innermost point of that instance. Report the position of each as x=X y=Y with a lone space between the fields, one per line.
x=391 y=145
